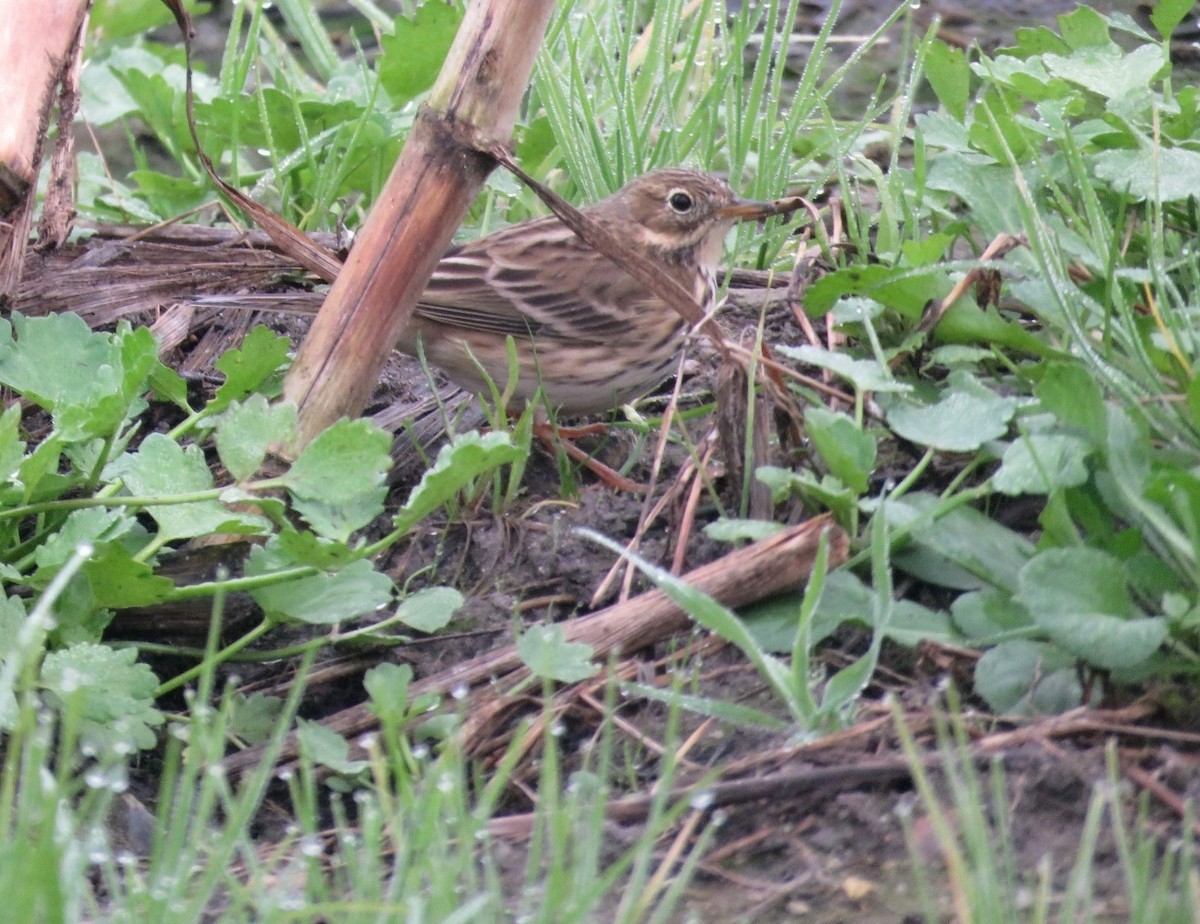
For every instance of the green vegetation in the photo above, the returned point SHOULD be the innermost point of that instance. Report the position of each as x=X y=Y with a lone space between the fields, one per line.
x=1076 y=393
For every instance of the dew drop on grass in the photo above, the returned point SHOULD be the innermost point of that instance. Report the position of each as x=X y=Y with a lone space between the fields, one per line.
x=558 y=729
x=367 y=742
x=702 y=800
x=420 y=752
x=460 y=691
x=126 y=859
x=310 y=846
x=283 y=774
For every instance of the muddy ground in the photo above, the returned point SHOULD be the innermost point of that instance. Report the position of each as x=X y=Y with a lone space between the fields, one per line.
x=834 y=853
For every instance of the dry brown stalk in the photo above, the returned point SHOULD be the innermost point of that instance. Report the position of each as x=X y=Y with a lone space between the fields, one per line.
x=438 y=174
x=37 y=45
x=774 y=565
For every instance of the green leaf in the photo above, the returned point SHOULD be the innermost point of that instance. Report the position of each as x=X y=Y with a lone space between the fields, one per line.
x=411 y=57
x=1156 y=174
x=90 y=526
x=1071 y=393
x=337 y=484
x=1108 y=71
x=245 y=430
x=304 y=548
x=947 y=72
x=458 y=464
x=387 y=685
x=1167 y=14
x=323 y=599
x=327 y=748
x=863 y=374
x=114 y=695
x=826 y=491
x=1028 y=678
x=320 y=599
x=733 y=530
x=263 y=353
x=430 y=609
x=1080 y=598
x=983 y=614
x=117 y=581
x=903 y=289
x=1040 y=463
x=162 y=468
x=89 y=395
x=12 y=447
x=548 y=655
x=1084 y=27
x=846 y=448
x=962 y=548
x=254 y=718
x=966 y=415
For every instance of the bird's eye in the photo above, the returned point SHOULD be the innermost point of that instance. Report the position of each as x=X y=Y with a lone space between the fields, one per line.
x=680 y=201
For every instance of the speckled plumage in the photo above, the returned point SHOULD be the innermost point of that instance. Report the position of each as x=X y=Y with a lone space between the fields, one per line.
x=587 y=331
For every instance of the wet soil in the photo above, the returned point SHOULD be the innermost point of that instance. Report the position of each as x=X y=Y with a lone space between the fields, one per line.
x=837 y=853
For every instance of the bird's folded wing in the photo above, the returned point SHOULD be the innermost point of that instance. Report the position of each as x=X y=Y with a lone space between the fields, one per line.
x=547 y=285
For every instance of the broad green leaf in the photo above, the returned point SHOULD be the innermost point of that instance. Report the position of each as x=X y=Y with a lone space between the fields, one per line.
x=161 y=468
x=245 y=430
x=547 y=654
x=457 y=465
x=263 y=353
x=863 y=374
x=983 y=614
x=963 y=548
x=91 y=526
x=113 y=693
x=903 y=289
x=1080 y=598
x=1167 y=14
x=826 y=491
x=254 y=718
x=387 y=686
x=846 y=448
x=119 y=582
x=411 y=57
x=1040 y=463
x=965 y=416
x=304 y=548
x=326 y=747
x=337 y=484
x=1107 y=70
x=845 y=600
x=947 y=72
x=1156 y=174
x=1071 y=393
x=430 y=609
x=90 y=394
x=1028 y=678
x=319 y=599
x=967 y=323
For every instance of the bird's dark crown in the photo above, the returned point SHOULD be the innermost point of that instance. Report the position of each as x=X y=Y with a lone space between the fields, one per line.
x=671 y=209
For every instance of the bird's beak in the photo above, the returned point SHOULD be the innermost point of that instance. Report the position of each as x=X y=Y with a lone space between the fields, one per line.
x=748 y=210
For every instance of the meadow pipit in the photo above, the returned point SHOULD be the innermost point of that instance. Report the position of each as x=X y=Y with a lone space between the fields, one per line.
x=585 y=330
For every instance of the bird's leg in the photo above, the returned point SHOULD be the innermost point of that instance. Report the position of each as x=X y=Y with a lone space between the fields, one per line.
x=554 y=437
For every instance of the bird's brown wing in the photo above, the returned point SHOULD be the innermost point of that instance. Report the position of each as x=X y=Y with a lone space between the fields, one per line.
x=535 y=279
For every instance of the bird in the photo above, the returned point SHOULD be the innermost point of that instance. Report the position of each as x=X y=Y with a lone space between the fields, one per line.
x=585 y=331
